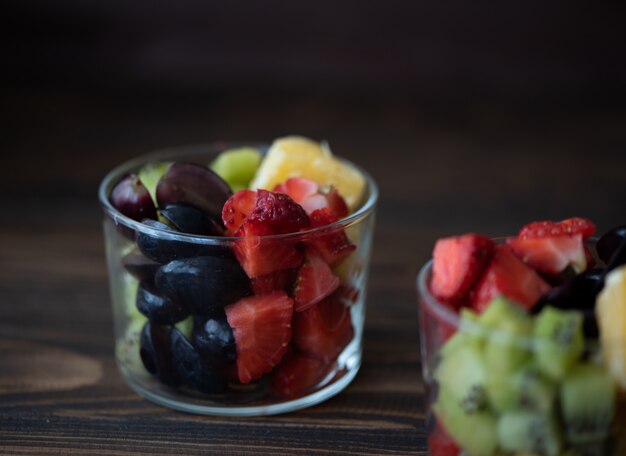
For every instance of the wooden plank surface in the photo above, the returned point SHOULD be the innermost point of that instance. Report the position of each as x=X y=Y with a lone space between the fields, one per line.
x=481 y=168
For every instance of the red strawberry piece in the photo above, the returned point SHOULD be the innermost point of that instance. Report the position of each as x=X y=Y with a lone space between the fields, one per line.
x=259 y=255
x=571 y=226
x=280 y=212
x=315 y=281
x=237 y=209
x=551 y=255
x=332 y=243
x=323 y=330
x=297 y=373
x=458 y=263
x=312 y=196
x=336 y=203
x=441 y=444
x=298 y=188
x=262 y=330
x=507 y=275
x=278 y=280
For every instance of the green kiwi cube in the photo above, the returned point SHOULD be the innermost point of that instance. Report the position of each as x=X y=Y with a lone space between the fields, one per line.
x=558 y=340
x=587 y=397
x=475 y=433
x=525 y=389
x=469 y=332
x=533 y=432
x=237 y=166
x=463 y=374
x=509 y=328
x=500 y=311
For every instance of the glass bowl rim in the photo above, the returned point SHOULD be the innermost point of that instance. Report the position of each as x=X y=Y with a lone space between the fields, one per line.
x=125 y=167
x=454 y=320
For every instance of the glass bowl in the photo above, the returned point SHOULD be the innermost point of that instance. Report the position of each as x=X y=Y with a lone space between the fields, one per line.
x=487 y=394
x=165 y=363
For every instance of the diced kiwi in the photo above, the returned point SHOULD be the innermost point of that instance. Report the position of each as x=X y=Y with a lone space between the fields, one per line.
x=476 y=433
x=237 y=166
x=532 y=432
x=469 y=333
x=559 y=340
x=509 y=328
x=525 y=389
x=500 y=310
x=462 y=373
x=587 y=395
x=149 y=175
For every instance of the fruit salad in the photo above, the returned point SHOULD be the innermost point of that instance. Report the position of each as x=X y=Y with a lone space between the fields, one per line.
x=238 y=279
x=524 y=342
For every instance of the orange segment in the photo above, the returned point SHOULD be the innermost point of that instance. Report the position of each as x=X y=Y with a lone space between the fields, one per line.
x=296 y=156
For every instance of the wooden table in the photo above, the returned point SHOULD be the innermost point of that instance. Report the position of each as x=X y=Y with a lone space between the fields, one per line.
x=484 y=168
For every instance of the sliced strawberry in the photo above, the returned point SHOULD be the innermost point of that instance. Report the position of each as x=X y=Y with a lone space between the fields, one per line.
x=280 y=212
x=458 y=262
x=262 y=329
x=297 y=373
x=336 y=203
x=441 y=444
x=298 y=188
x=274 y=281
x=259 y=255
x=237 y=209
x=551 y=255
x=570 y=226
x=312 y=196
x=507 y=275
x=315 y=281
x=323 y=330
x=332 y=243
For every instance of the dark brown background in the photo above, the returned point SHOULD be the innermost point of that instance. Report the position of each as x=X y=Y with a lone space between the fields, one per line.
x=471 y=116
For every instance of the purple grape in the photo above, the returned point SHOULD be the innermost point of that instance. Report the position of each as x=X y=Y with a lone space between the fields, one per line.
x=618 y=258
x=204 y=284
x=578 y=293
x=610 y=242
x=215 y=340
x=156 y=354
x=191 y=367
x=157 y=307
x=196 y=185
x=131 y=198
x=189 y=219
x=160 y=248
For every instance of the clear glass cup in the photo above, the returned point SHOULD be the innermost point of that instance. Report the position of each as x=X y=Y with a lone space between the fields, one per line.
x=343 y=312
x=512 y=404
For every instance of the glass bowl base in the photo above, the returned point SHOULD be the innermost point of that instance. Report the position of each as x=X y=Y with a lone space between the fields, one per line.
x=195 y=405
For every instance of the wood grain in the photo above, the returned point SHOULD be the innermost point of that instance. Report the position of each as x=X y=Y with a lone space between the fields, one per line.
x=485 y=170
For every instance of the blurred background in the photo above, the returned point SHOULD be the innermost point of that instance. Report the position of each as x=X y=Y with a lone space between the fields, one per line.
x=472 y=115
